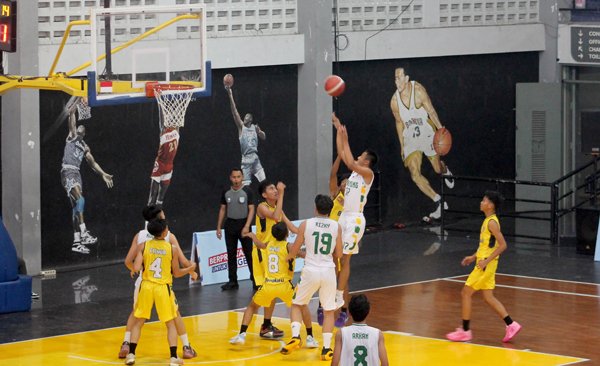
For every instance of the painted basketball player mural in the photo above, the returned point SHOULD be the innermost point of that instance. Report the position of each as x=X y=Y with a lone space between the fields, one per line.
x=249 y=134
x=160 y=179
x=416 y=123
x=75 y=150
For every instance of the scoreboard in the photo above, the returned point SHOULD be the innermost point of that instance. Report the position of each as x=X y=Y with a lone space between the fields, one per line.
x=8 y=25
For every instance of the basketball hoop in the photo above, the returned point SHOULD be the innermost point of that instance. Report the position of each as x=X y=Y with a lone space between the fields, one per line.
x=84 y=111
x=173 y=100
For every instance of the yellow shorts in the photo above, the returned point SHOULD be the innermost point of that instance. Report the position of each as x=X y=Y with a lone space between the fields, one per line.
x=162 y=295
x=258 y=266
x=483 y=279
x=269 y=291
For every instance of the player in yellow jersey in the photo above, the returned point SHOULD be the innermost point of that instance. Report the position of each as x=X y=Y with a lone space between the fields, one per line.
x=277 y=282
x=483 y=276
x=159 y=260
x=336 y=191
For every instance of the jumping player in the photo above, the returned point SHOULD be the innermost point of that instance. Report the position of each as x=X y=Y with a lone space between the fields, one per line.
x=75 y=150
x=483 y=276
x=352 y=219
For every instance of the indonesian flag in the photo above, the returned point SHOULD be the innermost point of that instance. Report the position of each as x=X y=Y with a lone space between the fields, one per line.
x=106 y=87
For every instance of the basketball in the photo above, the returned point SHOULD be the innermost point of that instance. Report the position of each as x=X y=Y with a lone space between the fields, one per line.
x=442 y=141
x=334 y=85
x=228 y=80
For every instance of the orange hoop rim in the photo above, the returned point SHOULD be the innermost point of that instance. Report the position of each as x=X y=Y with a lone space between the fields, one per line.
x=172 y=86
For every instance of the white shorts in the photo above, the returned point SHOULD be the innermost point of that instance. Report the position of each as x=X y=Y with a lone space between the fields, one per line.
x=353 y=229
x=422 y=143
x=136 y=290
x=312 y=279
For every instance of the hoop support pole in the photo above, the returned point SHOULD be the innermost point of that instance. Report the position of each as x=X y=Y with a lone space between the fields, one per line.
x=62 y=43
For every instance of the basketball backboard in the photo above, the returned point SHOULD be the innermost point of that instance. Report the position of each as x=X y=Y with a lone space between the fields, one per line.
x=130 y=46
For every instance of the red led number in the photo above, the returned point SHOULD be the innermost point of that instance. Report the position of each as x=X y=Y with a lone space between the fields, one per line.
x=4 y=33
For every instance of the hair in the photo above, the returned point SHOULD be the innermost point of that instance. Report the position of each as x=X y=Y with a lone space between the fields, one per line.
x=359 y=307
x=236 y=169
x=262 y=187
x=157 y=226
x=279 y=231
x=151 y=212
x=495 y=197
x=324 y=204
x=371 y=157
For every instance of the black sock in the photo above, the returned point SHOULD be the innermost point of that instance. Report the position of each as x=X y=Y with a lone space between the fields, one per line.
x=466 y=325
x=243 y=328
x=267 y=322
x=173 y=351
x=508 y=320
x=345 y=310
x=132 y=347
x=309 y=331
x=320 y=305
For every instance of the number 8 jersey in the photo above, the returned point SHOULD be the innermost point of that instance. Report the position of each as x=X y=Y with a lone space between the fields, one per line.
x=320 y=236
x=360 y=345
x=157 y=262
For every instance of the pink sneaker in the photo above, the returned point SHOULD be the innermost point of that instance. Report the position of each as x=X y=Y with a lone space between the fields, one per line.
x=511 y=331
x=460 y=335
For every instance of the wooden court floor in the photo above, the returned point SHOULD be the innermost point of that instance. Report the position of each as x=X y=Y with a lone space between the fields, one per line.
x=561 y=326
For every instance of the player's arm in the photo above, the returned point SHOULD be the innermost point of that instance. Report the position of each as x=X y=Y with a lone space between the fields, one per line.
x=220 y=220
x=259 y=244
x=107 y=178
x=71 y=109
x=399 y=122
x=261 y=134
x=182 y=259
x=382 y=351
x=501 y=246
x=236 y=116
x=333 y=181
x=290 y=225
x=295 y=247
x=249 y=219
x=337 y=351
x=139 y=259
x=264 y=212
x=132 y=253
x=348 y=158
x=421 y=93
x=178 y=271
x=338 y=251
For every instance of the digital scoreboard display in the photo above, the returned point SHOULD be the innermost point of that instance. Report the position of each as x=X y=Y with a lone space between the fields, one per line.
x=8 y=25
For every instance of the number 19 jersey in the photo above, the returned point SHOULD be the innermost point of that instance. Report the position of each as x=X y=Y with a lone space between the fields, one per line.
x=320 y=236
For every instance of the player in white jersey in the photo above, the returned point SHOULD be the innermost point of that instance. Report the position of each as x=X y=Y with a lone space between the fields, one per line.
x=322 y=237
x=249 y=134
x=359 y=344
x=416 y=121
x=352 y=220
x=152 y=212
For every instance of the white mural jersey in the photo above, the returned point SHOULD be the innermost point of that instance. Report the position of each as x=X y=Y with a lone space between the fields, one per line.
x=357 y=190
x=360 y=345
x=417 y=133
x=320 y=236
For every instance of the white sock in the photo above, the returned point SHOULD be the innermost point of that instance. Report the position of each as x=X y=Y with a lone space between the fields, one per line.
x=77 y=236
x=127 y=337
x=339 y=294
x=327 y=340
x=437 y=198
x=82 y=228
x=184 y=340
x=296 y=329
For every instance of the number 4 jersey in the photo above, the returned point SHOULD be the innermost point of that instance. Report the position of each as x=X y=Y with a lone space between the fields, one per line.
x=360 y=345
x=320 y=237
x=157 y=262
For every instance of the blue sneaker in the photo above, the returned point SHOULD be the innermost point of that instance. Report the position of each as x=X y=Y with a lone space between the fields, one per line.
x=320 y=315
x=341 y=320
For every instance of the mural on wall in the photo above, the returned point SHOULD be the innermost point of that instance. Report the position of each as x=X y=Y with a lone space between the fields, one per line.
x=161 y=175
x=248 y=133
x=416 y=123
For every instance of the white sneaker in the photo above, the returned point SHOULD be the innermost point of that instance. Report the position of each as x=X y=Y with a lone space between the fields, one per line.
x=311 y=342
x=130 y=359
x=175 y=361
x=437 y=213
x=87 y=238
x=239 y=339
x=80 y=248
x=449 y=182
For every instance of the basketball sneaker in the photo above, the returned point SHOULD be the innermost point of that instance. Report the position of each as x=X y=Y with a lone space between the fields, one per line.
x=80 y=248
x=124 y=350
x=174 y=361
x=189 y=352
x=130 y=359
x=511 y=331
x=320 y=315
x=448 y=181
x=87 y=238
x=326 y=354
x=460 y=335
x=292 y=345
x=311 y=342
x=341 y=320
x=238 y=339
x=270 y=332
x=437 y=213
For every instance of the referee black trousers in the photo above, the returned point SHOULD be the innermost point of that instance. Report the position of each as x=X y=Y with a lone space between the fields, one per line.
x=233 y=233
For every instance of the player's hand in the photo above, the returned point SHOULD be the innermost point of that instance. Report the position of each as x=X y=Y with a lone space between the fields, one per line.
x=193 y=269
x=257 y=128
x=219 y=234
x=482 y=264
x=194 y=276
x=468 y=260
x=336 y=121
x=245 y=230
x=132 y=273
x=108 y=180
x=280 y=186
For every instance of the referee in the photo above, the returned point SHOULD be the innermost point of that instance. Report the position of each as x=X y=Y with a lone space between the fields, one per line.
x=237 y=209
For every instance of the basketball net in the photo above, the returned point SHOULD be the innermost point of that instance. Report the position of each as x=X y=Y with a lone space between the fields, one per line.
x=173 y=100
x=84 y=111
